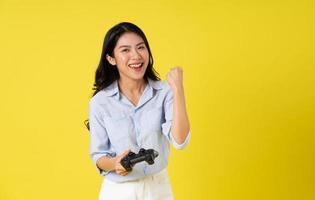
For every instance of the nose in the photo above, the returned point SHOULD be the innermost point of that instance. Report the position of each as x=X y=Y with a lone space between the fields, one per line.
x=136 y=55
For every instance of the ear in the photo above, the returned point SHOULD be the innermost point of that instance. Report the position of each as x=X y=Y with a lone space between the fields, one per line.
x=110 y=59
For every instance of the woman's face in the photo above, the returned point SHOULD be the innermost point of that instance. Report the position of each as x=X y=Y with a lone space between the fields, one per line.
x=131 y=56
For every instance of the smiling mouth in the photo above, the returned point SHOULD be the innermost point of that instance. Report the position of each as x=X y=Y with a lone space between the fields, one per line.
x=135 y=66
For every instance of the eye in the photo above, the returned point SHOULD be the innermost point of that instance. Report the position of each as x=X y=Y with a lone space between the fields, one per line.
x=141 y=47
x=125 y=50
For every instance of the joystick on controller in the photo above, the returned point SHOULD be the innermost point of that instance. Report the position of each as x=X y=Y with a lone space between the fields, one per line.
x=144 y=155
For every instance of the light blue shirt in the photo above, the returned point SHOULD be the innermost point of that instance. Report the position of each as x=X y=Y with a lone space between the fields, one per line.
x=116 y=125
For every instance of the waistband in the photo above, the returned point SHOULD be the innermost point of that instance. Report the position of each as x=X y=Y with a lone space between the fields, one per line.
x=153 y=177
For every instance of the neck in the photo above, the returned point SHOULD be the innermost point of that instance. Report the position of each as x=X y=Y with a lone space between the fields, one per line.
x=133 y=87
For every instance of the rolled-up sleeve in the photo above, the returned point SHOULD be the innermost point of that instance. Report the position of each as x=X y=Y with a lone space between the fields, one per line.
x=166 y=126
x=99 y=142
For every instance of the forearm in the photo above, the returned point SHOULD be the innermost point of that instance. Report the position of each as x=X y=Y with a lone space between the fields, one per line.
x=106 y=163
x=113 y=164
x=180 y=124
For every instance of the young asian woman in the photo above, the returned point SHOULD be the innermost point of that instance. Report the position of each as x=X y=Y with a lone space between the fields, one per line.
x=131 y=108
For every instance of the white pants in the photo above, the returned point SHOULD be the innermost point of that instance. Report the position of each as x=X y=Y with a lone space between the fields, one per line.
x=153 y=187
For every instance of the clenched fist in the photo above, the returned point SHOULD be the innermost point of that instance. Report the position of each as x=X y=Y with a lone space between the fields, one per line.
x=175 y=78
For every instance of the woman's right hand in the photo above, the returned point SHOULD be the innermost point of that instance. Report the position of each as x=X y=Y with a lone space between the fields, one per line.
x=119 y=169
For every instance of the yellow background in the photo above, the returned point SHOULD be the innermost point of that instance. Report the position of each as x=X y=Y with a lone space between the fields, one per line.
x=249 y=82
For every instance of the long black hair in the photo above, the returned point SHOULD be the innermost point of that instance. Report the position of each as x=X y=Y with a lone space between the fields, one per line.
x=107 y=73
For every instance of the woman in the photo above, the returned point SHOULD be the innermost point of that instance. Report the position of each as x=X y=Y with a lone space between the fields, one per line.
x=132 y=109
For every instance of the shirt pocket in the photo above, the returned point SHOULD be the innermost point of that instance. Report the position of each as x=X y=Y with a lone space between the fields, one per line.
x=118 y=128
x=152 y=119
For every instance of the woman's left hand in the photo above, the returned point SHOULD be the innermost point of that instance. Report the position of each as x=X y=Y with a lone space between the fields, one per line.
x=175 y=78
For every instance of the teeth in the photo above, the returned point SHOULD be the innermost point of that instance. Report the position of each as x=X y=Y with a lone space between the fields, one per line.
x=135 y=65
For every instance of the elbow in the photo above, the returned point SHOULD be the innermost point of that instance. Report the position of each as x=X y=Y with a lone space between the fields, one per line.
x=181 y=143
x=180 y=140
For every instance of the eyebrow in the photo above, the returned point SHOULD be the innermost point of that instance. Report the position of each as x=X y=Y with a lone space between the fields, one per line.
x=129 y=45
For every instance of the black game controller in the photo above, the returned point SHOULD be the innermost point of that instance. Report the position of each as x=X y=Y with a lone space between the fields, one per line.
x=144 y=155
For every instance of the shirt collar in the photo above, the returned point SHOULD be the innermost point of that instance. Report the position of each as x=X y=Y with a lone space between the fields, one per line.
x=113 y=89
x=155 y=84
